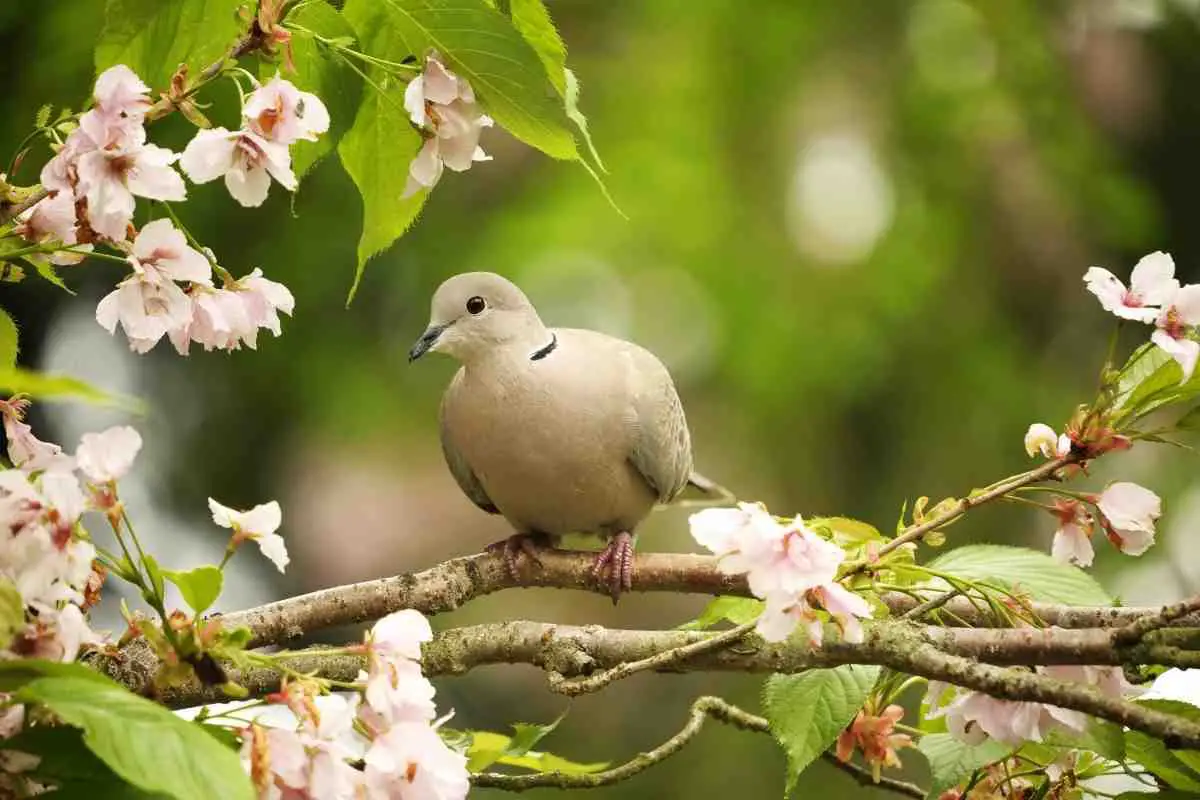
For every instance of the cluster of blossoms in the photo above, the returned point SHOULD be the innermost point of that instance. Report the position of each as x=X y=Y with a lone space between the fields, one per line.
x=874 y=733
x=403 y=755
x=975 y=717
x=275 y=116
x=443 y=106
x=171 y=293
x=1154 y=297
x=106 y=163
x=1125 y=511
x=788 y=565
x=43 y=555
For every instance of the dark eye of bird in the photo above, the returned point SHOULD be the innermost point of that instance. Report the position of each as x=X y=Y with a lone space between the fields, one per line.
x=476 y=305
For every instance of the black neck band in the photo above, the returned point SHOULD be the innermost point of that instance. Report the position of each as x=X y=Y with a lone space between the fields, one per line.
x=545 y=351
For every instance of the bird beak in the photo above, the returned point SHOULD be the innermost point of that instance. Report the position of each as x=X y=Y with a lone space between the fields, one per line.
x=428 y=339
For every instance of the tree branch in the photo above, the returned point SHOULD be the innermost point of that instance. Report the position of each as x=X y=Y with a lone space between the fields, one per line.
x=702 y=709
x=452 y=583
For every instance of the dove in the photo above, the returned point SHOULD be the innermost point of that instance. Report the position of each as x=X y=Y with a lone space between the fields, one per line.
x=559 y=430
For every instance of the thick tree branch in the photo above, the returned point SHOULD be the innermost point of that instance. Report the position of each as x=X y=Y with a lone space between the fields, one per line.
x=451 y=584
x=952 y=655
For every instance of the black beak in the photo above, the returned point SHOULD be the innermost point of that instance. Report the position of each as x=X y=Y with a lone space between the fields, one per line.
x=427 y=340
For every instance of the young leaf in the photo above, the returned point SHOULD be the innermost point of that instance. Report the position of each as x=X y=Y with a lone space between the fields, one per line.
x=200 y=587
x=16 y=673
x=12 y=612
x=1152 y=754
x=1151 y=379
x=487 y=748
x=65 y=763
x=737 y=610
x=9 y=342
x=376 y=153
x=143 y=742
x=153 y=37
x=576 y=116
x=1101 y=736
x=531 y=18
x=951 y=761
x=1180 y=709
x=807 y=711
x=48 y=273
x=40 y=385
x=320 y=71
x=1189 y=421
x=478 y=43
x=42 y=119
x=1030 y=571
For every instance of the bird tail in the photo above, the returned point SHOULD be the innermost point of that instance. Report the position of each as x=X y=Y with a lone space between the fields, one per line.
x=711 y=493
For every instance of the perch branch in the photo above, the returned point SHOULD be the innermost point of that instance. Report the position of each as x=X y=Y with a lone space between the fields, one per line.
x=1138 y=629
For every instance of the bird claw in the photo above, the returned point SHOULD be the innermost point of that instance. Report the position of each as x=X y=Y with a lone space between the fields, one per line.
x=512 y=547
x=617 y=560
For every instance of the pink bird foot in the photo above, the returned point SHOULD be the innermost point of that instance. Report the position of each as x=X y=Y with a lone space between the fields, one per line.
x=512 y=547
x=617 y=560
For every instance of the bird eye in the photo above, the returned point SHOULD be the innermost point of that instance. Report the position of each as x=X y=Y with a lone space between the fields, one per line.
x=476 y=305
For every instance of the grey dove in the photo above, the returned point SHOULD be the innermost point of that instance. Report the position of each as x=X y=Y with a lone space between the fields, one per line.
x=560 y=430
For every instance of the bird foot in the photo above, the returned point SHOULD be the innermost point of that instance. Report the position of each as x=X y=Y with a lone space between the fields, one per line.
x=514 y=546
x=617 y=560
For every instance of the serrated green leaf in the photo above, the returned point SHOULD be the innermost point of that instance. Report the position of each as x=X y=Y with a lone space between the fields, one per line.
x=42 y=118
x=487 y=748
x=12 y=612
x=320 y=71
x=9 y=340
x=1154 y=756
x=951 y=761
x=1101 y=736
x=479 y=44
x=576 y=116
x=1191 y=758
x=376 y=152
x=1152 y=379
x=65 y=763
x=143 y=742
x=200 y=587
x=737 y=610
x=807 y=711
x=532 y=20
x=43 y=386
x=1029 y=571
x=16 y=673
x=49 y=273
x=847 y=531
x=1161 y=794
x=527 y=734
x=153 y=37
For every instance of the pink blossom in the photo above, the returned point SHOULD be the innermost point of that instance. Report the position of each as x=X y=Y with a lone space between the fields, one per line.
x=443 y=105
x=400 y=635
x=1128 y=513
x=845 y=607
x=783 y=613
x=280 y=112
x=1173 y=325
x=721 y=530
x=1042 y=438
x=1151 y=284
x=52 y=221
x=110 y=178
x=396 y=691
x=229 y=317
x=119 y=91
x=973 y=717
x=264 y=299
x=25 y=450
x=258 y=524
x=1073 y=539
x=411 y=762
x=108 y=456
x=247 y=160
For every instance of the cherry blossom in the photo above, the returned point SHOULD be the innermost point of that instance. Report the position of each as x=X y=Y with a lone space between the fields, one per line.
x=443 y=106
x=280 y=112
x=1173 y=323
x=108 y=456
x=1151 y=284
x=25 y=450
x=874 y=734
x=411 y=762
x=974 y=717
x=52 y=221
x=1042 y=438
x=246 y=160
x=845 y=607
x=1073 y=538
x=400 y=635
x=110 y=179
x=149 y=303
x=783 y=613
x=1128 y=513
x=120 y=92
x=258 y=524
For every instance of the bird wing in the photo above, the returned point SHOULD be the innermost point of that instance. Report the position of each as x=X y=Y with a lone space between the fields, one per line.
x=459 y=468
x=662 y=447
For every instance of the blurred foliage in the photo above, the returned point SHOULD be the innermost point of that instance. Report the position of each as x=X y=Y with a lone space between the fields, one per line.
x=856 y=233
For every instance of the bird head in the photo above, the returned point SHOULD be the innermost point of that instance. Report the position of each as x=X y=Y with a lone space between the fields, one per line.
x=475 y=313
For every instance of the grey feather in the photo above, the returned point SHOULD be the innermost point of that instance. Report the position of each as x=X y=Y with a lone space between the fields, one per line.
x=662 y=447
x=466 y=479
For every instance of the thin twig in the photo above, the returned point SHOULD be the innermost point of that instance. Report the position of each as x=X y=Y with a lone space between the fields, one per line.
x=660 y=661
x=1137 y=630
x=863 y=777
x=701 y=710
x=932 y=604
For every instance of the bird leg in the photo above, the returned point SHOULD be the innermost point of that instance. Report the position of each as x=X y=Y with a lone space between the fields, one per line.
x=616 y=559
x=513 y=546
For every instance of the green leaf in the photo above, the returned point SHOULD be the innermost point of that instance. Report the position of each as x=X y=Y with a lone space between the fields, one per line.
x=200 y=587
x=9 y=341
x=1161 y=794
x=143 y=742
x=321 y=71
x=153 y=37
x=951 y=761
x=1191 y=758
x=532 y=20
x=16 y=673
x=1151 y=379
x=481 y=45
x=737 y=610
x=1154 y=756
x=1189 y=421
x=1101 y=736
x=847 y=531
x=156 y=574
x=1030 y=571
x=487 y=748
x=66 y=763
x=48 y=273
x=44 y=386
x=42 y=119
x=12 y=612
x=807 y=711
x=376 y=153
x=576 y=116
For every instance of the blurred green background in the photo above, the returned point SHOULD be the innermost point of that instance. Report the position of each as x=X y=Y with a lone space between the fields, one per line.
x=856 y=234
